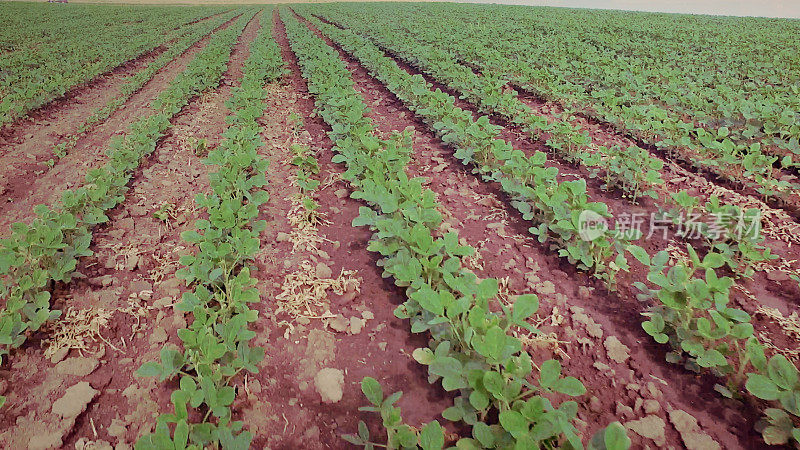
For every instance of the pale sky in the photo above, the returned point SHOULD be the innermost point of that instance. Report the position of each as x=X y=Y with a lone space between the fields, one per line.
x=764 y=8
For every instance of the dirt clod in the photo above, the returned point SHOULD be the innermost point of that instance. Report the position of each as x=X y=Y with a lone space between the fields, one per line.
x=546 y=288
x=624 y=410
x=59 y=355
x=328 y=383
x=690 y=432
x=617 y=351
x=651 y=427
x=651 y=406
x=356 y=325
x=777 y=275
x=75 y=400
x=323 y=271
x=78 y=366
x=158 y=336
x=46 y=441
x=338 y=323
x=594 y=404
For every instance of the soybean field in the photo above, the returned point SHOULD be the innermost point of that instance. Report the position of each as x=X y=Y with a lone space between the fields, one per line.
x=397 y=225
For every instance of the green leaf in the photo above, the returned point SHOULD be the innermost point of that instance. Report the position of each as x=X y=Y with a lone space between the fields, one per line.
x=514 y=423
x=493 y=382
x=570 y=386
x=525 y=306
x=782 y=372
x=468 y=444
x=487 y=288
x=616 y=438
x=483 y=434
x=712 y=358
x=713 y=260
x=423 y=356
x=372 y=390
x=188 y=384
x=478 y=400
x=492 y=345
x=755 y=352
x=742 y=330
x=549 y=373
x=191 y=236
x=432 y=436
x=149 y=369
x=366 y=217
x=640 y=254
x=774 y=435
x=430 y=300
x=353 y=439
x=453 y=414
x=654 y=328
x=181 y=436
x=762 y=387
x=406 y=437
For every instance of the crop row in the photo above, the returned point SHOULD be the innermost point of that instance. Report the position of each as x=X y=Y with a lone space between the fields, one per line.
x=471 y=351
x=631 y=169
x=192 y=34
x=691 y=312
x=216 y=344
x=502 y=50
x=42 y=61
x=733 y=86
x=47 y=251
x=555 y=206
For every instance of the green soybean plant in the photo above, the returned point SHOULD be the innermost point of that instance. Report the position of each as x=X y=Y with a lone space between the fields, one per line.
x=777 y=381
x=399 y=435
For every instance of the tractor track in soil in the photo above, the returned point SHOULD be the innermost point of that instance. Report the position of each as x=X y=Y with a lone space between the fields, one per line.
x=21 y=195
x=131 y=276
x=561 y=287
